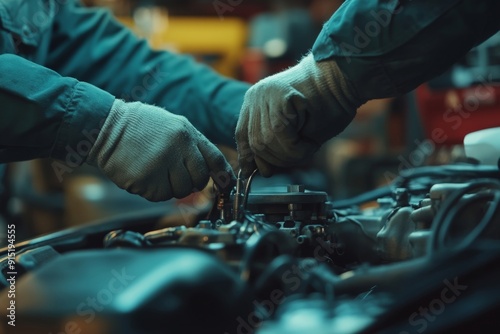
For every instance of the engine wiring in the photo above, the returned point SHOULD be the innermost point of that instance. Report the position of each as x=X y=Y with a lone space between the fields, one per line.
x=485 y=190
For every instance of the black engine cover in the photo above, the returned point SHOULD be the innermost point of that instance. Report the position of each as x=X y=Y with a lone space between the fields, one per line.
x=129 y=291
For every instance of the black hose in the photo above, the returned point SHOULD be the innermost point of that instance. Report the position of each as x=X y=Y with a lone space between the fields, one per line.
x=364 y=198
x=464 y=171
x=283 y=244
x=451 y=207
x=454 y=214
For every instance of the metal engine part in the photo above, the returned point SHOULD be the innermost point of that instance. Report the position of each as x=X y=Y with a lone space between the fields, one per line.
x=274 y=260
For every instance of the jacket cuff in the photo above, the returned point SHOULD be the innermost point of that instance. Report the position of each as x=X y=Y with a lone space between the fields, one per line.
x=86 y=111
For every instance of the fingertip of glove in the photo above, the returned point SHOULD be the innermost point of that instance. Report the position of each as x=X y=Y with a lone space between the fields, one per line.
x=247 y=169
x=225 y=180
x=244 y=159
x=265 y=169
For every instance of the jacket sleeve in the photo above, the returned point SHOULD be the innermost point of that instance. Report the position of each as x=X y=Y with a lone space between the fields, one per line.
x=92 y=46
x=44 y=114
x=389 y=47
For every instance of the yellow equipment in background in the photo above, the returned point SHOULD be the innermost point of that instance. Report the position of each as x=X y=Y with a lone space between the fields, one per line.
x=219 y=43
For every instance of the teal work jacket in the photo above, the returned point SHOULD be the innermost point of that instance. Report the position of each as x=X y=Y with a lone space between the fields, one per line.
x=62 y=65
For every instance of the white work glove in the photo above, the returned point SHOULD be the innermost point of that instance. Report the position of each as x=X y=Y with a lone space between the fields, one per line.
x=286 y=117
x=153 y=153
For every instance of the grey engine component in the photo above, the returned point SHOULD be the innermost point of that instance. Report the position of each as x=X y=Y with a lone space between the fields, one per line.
x=277 y=260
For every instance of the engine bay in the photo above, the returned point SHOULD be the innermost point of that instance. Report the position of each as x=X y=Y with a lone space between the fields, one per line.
x=420 y=254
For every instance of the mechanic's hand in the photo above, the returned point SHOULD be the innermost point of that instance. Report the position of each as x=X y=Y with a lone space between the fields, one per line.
x=153 y=153
x=286 y=117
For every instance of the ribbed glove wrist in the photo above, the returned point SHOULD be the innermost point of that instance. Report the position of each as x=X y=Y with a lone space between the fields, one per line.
x=331 y=98
x=286 y=117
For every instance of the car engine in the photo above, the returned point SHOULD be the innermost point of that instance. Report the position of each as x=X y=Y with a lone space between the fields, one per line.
x=420 y=254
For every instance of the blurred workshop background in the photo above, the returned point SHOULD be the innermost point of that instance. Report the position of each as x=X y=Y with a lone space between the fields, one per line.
x=249 y=40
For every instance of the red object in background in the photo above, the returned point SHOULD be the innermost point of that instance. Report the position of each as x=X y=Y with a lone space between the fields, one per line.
x=450 y=114
x=256 y=66
x=253 y=66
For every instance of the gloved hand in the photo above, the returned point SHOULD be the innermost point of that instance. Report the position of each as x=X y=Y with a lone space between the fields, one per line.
x=286 y=117
x=153 y=153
